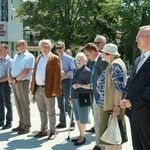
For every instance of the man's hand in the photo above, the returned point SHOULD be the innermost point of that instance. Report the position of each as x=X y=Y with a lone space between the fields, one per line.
x=76 y=86
x=54 y=95
x=63 y=73
x=11 y=81
x=125 y=103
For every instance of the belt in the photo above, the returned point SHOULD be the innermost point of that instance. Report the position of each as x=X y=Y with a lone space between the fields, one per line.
x=21 y=81
x=65 y=80
x=40 y=86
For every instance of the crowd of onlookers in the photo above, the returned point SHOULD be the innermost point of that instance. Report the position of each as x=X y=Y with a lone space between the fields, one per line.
x=96 y=79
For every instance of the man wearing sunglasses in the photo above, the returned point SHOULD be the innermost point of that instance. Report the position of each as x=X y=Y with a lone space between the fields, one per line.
x=19 y=77
x=64 y=105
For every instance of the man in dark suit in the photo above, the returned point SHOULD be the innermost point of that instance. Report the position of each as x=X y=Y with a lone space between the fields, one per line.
x=137 y=99
x=100 y=42
x=92 y=53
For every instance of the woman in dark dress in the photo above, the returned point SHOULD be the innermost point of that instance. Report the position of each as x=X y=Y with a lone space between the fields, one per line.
x=81 y=84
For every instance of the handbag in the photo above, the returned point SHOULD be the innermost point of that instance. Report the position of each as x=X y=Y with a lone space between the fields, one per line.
x=112 y=134
x=123 y=131
x=84 y=99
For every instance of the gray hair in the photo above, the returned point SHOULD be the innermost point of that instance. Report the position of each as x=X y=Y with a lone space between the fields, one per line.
x=61 y=43
x=45 y=41
x=146 y=29
x=81 y=54
x=100 y=37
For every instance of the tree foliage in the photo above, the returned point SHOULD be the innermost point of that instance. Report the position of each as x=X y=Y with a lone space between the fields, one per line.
x=133 y=14
x=77 y=22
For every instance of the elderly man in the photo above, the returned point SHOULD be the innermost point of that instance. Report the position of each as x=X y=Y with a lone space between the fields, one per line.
x=66 y=84
x=5 y=91
x=45 y=86
x=137 y=99
x=92 y=53
x=19 y=77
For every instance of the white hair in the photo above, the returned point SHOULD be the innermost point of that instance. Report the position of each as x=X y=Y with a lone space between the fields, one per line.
x=146 y=29
x=45 y=41
x=81 y=54
x=100 y=37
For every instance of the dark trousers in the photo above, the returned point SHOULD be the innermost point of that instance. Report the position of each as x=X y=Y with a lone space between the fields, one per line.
x=63 y=103
x=5 y=101
x=140 y=132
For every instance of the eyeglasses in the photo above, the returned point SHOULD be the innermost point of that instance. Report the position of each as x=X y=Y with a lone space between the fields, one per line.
x=59 y=47
x=97 y=43
x=18 y=45
x=141 y=36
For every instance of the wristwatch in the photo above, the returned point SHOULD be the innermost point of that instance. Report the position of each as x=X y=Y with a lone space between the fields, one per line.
x=15 y=79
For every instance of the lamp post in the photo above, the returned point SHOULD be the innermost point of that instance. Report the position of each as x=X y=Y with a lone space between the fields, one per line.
x=118 y=37
x=30 y=37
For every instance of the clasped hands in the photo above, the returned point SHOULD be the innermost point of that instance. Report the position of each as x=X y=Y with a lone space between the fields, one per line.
x=125 y=103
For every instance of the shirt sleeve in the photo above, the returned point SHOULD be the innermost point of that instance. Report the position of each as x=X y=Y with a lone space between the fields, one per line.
x=30 y=62
x=117 y=76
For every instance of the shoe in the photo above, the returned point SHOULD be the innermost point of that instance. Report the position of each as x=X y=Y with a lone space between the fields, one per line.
x=41 y=134
x=74 y=140
x=1 y=123
x=60 y=126
x=52 y=136
x=7 y=126
x=17 y=129
x=91 y=130
x=80 y=143
x=72 y=127
x=23 y=131
x=96 y=148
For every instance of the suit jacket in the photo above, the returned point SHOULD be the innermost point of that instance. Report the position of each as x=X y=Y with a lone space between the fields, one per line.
x=99 y=68
x=138 y=92
x=52 y=76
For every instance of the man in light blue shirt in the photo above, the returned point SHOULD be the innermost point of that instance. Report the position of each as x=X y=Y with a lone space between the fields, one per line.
x=5 y=90
x=64 y=105
x=19 y=77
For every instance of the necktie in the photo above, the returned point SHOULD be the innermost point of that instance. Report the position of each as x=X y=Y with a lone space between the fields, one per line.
x=140 y=63
x=92 y=69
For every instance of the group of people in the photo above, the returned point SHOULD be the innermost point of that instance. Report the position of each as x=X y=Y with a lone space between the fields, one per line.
x=99 y=73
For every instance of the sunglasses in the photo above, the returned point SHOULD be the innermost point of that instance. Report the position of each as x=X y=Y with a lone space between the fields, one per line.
x=97 y=43
x=59 y=47
x=18 y=45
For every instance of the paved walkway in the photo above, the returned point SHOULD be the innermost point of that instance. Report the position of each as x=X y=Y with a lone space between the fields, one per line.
x=12 y=141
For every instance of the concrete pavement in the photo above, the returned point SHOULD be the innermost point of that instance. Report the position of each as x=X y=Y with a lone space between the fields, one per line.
x=12 y=141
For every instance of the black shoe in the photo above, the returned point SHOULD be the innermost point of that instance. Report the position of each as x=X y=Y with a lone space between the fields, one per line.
x=17 y=129
x=91 y=130
x=7 y=126
x=23 y=131
x=60 y=126
x=96 y=148
x=80 y=143
x=1 y=123
x=74 y=140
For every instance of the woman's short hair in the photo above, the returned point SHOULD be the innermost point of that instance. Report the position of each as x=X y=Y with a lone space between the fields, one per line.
x=82 y=55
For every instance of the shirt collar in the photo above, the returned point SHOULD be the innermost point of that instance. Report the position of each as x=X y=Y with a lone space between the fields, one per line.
x=97 y=58
x=47 y=55
x=146 y=54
